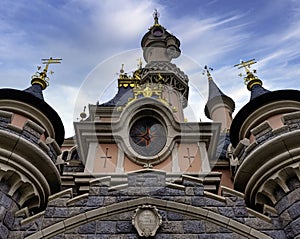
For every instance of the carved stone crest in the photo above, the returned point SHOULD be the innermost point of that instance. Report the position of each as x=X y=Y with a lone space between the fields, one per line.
x=146 y=220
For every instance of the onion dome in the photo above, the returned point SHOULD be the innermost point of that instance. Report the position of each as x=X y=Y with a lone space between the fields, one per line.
x=158 y=44
x=33 y=96
x=263 y=104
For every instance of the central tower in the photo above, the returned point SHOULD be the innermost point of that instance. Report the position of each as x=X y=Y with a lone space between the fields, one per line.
x=159 y=48
x=143 y=125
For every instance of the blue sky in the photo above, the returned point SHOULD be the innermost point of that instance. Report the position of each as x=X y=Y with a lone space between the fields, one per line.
x=95 y=37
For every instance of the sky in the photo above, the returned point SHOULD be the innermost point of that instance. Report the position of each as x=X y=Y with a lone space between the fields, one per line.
x=94 y=37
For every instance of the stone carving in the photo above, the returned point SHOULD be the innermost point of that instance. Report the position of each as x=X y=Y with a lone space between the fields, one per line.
x=146 y=220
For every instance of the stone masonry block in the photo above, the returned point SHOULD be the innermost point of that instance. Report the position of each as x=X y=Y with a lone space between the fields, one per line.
x=9 y=220
x=240 y=212
x=278 y=234
x=106 y=227
x=294 y=210
x=198 y=201
x=256 y=223
x=88 y=228
x=16 y=235
x=172 y=227
x=2 y=213
x=124 y=227
x=6 y=201
x=173 y=216
x=295 y=226
x=226 y=211
x=211 y=227
x=194 y=226
x=3 y=231
x=95 y=201
x=199 y=190
x=94 y=191
x=217 y=236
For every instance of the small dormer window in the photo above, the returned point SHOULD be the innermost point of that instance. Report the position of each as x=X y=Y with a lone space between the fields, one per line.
x=157 y=32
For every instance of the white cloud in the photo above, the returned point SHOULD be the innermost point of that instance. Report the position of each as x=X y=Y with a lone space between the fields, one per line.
x=86 y=33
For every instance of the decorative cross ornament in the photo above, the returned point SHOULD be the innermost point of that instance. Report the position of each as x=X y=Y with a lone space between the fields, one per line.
x=189 y=157
x=105 y=157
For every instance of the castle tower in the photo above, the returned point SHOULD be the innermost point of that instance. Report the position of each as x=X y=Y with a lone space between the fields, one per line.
x=158 y=44
x=265 y=135
x=31 y=133
x=143 y=125
x=219 y=107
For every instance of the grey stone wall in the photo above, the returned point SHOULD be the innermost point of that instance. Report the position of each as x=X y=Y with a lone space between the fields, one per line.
x=288 y=207
x=8 y=207
x=112 y=209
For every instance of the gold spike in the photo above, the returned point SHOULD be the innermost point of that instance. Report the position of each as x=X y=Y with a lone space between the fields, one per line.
x=206 y=70
x=83 y=114
x=140 y=64
x=156 y=16
x=41 y=78
x=122 y=69
x=250 y=79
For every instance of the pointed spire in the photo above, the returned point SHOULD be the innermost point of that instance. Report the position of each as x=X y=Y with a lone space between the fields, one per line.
x=254 y=84
x=214 y=90
x=215 y=95
x=156 y=23
x=156 y=16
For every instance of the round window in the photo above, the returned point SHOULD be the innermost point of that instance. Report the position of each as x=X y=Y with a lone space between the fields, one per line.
x=147 y=136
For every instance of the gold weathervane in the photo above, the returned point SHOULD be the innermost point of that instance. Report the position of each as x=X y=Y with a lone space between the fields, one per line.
x=156 y=23
x=41 y=78
x=206 y=70
x=156 y=16
x=250 y=79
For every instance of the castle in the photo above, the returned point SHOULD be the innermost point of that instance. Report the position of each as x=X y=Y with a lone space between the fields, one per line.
x=137 y=169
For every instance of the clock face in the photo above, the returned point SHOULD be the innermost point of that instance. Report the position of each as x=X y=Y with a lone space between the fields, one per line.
x=147 y=136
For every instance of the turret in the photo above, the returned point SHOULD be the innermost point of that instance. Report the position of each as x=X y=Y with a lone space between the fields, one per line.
x=31 y=133
x=158 y=44
x=159 y=48
x=265 y=134
x=219 y=107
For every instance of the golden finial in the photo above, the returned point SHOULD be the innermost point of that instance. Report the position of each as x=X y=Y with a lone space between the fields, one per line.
x=41 y=78
x=83 y=114
x=122 y=69
x=126 y=80
x=206 y=70
x=250 y=79
x=156 y=16
x=140 y=64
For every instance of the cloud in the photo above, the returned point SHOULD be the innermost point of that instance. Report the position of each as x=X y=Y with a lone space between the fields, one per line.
x=87 y=33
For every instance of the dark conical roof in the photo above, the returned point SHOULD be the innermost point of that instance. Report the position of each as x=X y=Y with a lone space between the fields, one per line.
x=36 y=90
x=257 y=90
x=214 y=90
x=215 y=95
x=38 y=103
